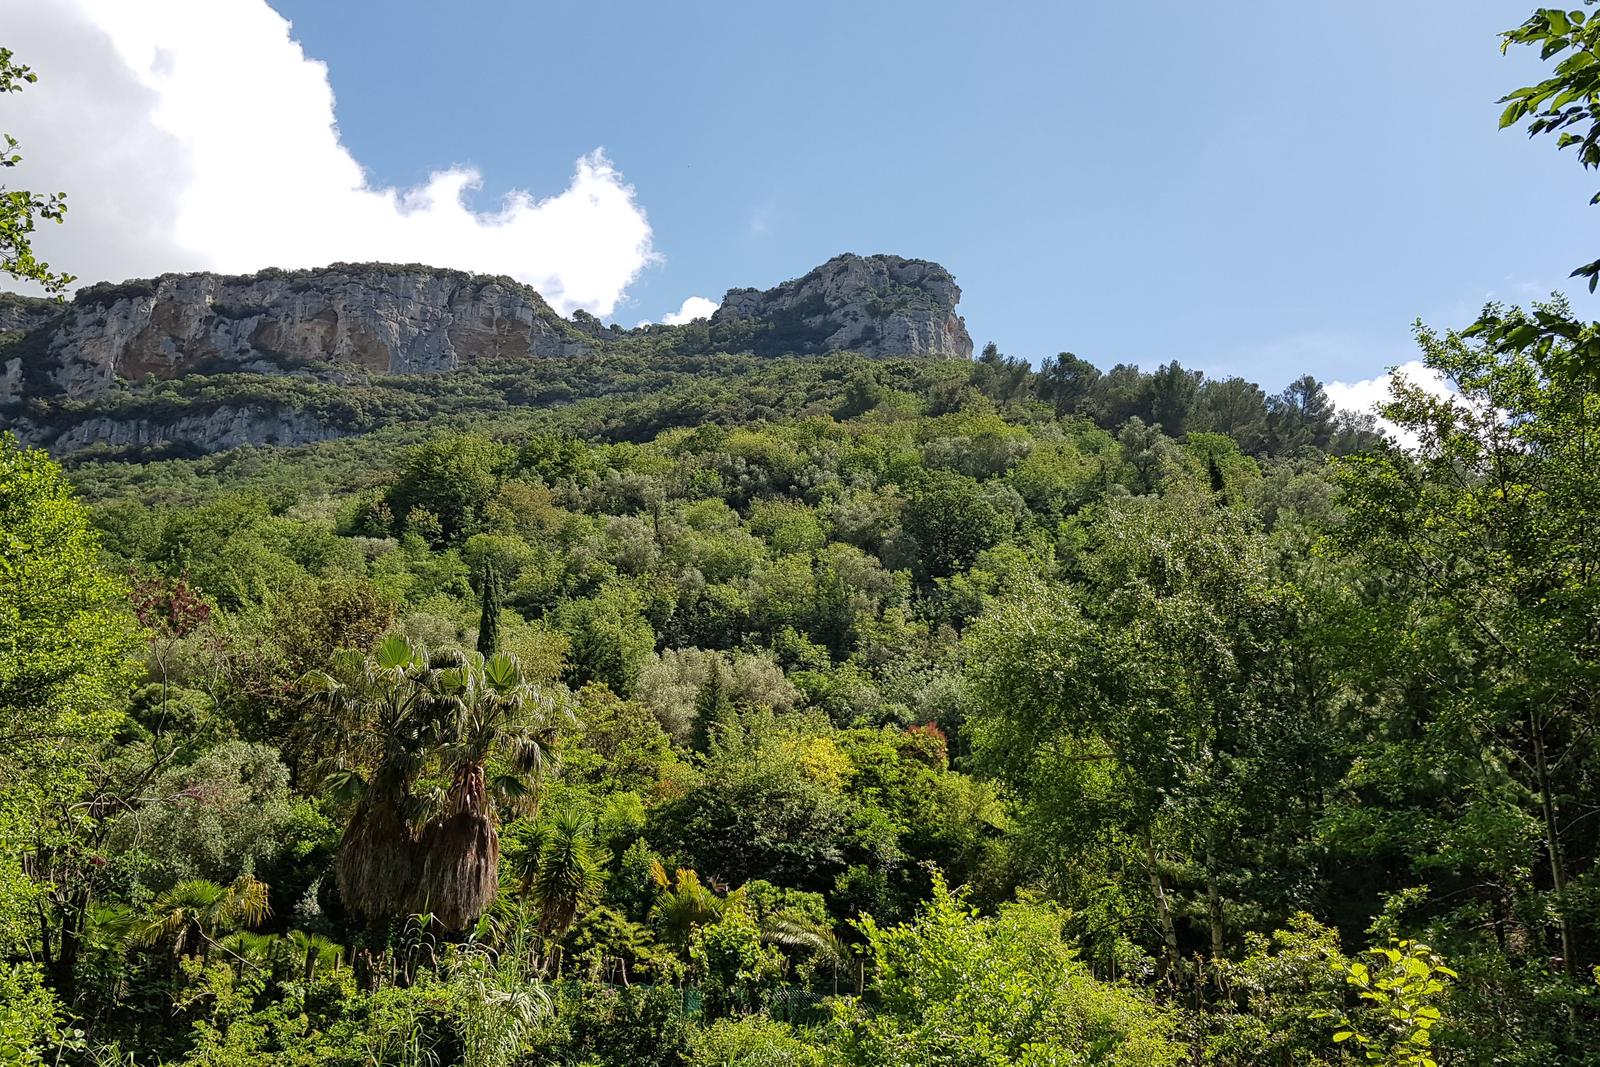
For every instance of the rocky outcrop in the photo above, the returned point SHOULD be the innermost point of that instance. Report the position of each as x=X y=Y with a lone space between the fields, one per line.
x=23 y=313
x=387 y=319
x=73 y=376
x=875 y=305
x=217 y=430
x=10 y=381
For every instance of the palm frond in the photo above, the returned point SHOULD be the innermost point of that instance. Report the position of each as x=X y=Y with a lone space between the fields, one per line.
x=793 y=932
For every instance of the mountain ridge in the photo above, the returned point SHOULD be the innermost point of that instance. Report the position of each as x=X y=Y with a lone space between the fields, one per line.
x=70 y=372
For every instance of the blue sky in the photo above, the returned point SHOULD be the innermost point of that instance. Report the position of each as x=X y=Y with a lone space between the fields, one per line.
x=1251 y=187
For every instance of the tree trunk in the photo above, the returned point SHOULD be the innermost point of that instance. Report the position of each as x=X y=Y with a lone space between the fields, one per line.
x=1214 y=915
x=1558 y=870
x=64 y=968
x=1214 y=910
x=1169 y=935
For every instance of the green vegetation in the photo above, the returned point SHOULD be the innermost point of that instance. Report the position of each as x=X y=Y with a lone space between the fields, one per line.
x=20 y=209
x=932 y=719
x=687 y=708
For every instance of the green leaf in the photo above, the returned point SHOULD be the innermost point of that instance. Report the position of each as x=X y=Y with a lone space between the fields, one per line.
x=502 y=671
x=395 y=651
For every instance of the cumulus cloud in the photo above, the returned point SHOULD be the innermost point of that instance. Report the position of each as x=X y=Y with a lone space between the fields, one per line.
x=1365 y=396
x=696 y=307
x=197 y=135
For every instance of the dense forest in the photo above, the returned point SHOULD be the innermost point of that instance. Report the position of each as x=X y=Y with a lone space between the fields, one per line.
x=723 y=708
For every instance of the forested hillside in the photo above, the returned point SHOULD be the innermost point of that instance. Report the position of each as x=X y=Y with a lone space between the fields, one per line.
x=718 y=705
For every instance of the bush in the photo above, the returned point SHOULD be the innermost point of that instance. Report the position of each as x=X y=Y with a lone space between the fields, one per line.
x=753 y=1041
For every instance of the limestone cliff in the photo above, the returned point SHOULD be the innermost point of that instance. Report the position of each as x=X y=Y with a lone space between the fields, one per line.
x=384 y=319
x=23 y=313
x=875 y=305
x=215 y=430
x=293 y=357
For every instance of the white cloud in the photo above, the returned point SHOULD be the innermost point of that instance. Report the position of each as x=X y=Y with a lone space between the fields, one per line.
x=696 y=307
x=197 y=135
x=1365 y=396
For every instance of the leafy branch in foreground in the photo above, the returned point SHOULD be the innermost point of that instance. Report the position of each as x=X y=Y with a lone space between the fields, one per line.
x=20 y=209
x=1402 y=982
x=1567 y=99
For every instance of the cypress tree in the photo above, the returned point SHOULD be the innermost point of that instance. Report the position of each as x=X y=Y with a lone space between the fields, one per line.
x=1219 y=484
x=711 y=707
x=489 y=621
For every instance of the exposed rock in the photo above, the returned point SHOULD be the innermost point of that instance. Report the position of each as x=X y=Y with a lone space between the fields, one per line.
x=23 y=313
x=396 y=320
x=10 y=381
x=875 y=305
x=72 y=376
x=222 y=428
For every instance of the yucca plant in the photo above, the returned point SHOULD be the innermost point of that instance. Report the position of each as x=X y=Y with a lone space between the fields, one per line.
x=527 y=838
x=569 y=876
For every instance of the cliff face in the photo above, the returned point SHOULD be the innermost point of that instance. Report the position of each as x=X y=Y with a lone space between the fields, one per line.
x=875 y=305
x=215 y=430
x=72 y=376
x=393 y=320
x=23 y=313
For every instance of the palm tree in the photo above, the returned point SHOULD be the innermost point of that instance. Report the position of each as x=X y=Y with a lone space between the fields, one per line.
x=193 y=912
x=381 y=718
x=315 y=951
x=489 y=715
x=568 y=878
x=398 y=717
x=794 y=932
x=685 y=903
x=257 y=950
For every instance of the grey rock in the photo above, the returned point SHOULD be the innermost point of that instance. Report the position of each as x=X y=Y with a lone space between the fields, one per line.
x=66 y=370
x=221 y=428
x=23 y=313
x=386 y=319
x=875 y=305
x=10 y=381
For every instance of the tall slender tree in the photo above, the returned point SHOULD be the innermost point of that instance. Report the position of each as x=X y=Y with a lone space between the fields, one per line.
x=489 y=617
x=1490 y=528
